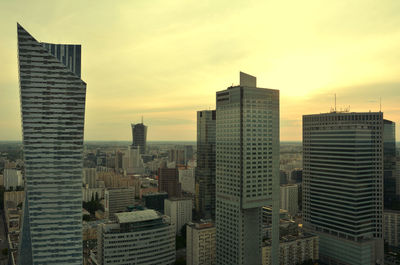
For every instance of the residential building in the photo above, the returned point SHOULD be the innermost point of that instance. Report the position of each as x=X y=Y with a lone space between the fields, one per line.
x=89 y=177
x=205 y=169
x=168 y=181
x=247 y=170
x=200 y=243
x=139 y=136
x=12 y=179
x=293 y=250
x=180 y=211
x=155 y=201
x=289 y=198
x=117 y=200
x=141 y=237
x=343 y=185
x=391 y=227
x=53 y=109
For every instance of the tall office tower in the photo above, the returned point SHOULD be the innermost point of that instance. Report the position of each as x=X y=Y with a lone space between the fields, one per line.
x=141 y=237
x=343 y=185
x=389 y=163
x=139 y=136
x=247 y=170
x=168 y=181
x=205 y=169
x=53 y=110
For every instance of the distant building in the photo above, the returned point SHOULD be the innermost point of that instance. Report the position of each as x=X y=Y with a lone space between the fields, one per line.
x=180 y=211
x=119 y=158
x=390 y=178
x=293 y=250
x=89 y=177
x=290 y=198
x=283 y=177
x=155 y=201
x=205 y=169
x=200 y=243
x=92 y=193
x=186 y=178
x=297 y=176
x=12 y=179
x=139 y=136
x=168 y=181
x=391 y=227
x=135 y=162
x=141 y=237
x=117 y=200
x=177 y=155
x=343 y=185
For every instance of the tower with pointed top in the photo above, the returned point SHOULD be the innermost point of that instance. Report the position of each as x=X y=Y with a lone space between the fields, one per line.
x=52 y=97
x=139 y=136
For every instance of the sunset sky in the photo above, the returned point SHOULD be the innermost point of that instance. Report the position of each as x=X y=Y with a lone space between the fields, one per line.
x=165 y=60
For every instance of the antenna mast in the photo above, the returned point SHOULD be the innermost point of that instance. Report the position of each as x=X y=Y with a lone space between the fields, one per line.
x=335 y=102
x=380 y=104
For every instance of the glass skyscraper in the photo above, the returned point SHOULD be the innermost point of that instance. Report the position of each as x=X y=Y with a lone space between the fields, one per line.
x=247 y=171
x=390 y=179
x=139 y=136
x=343 y=185
x=53 y=109
x=205 y=169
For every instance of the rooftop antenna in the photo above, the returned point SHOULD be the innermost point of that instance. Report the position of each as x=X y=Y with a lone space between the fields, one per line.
x=380 y=104
x=335 y=102
x=142 y=119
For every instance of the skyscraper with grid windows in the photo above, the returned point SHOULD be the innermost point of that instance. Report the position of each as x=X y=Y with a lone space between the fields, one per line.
x=343 y=185
x=247 y=170
x=53 y=108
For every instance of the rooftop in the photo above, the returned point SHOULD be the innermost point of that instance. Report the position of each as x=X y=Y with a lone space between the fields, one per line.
x=137 y=216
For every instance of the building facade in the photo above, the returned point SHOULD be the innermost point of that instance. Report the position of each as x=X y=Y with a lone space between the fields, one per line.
x=343 y=185
x=117 y=200
x=139 y=136
x=293 y=250
x=155 y=201
x=391 y=228
x=168 y=181
x=200 y=243
x=12 y=179
x=390 y=178
x=247 y=170
x=53 y=110
x=141 y=237
x=290 y=198
x=205 y=169
x=180 y=211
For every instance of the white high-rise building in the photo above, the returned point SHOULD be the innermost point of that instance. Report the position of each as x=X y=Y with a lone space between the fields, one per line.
x=53 y=109
x=89 y=177
x=180 y=211
x=247 y=170
x=186 y=178
x=138 y=238
x=391 y=227
x=343 y=185
x=290 y=198
x=200 y=243
x=12 y=178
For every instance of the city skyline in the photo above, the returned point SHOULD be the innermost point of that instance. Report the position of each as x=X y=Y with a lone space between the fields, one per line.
x=307 y=55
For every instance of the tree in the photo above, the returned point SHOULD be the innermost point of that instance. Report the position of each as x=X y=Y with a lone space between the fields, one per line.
x=180 y=261
x=97 y=196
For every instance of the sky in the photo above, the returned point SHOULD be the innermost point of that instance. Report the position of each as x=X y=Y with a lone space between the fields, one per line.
x=164 y=60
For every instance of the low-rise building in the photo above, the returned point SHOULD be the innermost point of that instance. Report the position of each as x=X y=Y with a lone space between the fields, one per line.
x=293 y=249
x=200 y=243
x=140 y=237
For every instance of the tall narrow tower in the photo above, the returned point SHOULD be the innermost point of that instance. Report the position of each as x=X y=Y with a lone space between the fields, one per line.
x=205 y=169
x=53 y=110
x=247 y=170
x=139 y=136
